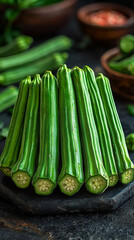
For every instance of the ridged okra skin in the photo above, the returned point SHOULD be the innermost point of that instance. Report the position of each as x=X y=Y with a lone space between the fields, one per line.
x=124 y=164
x=8 y=97
x=96 y=178
x=71 y=176
x=102 y=127
x=12 y=144
x=46 y=175
x=24 y=168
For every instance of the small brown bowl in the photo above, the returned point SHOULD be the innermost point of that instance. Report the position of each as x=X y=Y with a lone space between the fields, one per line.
x=122 y=84
x=105 y=34
x=46 y=19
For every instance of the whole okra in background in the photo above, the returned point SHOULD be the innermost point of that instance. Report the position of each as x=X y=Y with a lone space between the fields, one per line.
x=46 y=174
x=96 y=178
x=15 y=75
x=24 y=168
x=71 y=176
x=13 y=140
x=8 y=98
x=18 y=45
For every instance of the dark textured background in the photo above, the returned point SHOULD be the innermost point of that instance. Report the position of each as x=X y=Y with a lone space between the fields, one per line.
x=117 y=225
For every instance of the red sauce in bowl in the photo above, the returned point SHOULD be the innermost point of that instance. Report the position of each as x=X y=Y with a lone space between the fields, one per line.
x=107 y=18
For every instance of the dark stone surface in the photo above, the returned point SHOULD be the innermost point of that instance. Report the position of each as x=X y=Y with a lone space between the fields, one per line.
x=115 y=225
x=83 y=201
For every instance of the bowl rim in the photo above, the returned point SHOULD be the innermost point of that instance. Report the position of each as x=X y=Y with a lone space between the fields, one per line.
x=56 y=7
x=121 y=8
x=104 y=62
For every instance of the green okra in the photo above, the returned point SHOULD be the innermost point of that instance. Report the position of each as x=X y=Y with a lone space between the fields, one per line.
x=56 y=44
x=8 y=97
x=12 y=144
x=96 y=178
x=24 y=168
x=15 y=75
x=71 y=176
x=21 y=43
x=124 y=164
x=46 y=174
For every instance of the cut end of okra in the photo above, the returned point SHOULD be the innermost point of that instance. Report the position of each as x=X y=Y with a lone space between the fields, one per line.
x=69 y=185
x=97 y=184
x=21 y=179
x=113 y=180
x=6 y=171
x=44 y=186
x=127 y=176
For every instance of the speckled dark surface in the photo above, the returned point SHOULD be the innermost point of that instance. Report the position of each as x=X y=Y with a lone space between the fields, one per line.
x=115 y=225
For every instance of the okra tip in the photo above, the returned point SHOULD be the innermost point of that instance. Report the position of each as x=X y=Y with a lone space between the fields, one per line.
x=44 y=186
x=21 y=179
x=6 y=171
x=127 y=176
x=37 y=78
x=69 y=185
x=97 y=184
x=113 y=179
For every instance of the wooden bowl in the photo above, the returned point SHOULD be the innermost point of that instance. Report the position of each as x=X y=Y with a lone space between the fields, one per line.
x=105 y=34
x=46 y=19
x=122 y=84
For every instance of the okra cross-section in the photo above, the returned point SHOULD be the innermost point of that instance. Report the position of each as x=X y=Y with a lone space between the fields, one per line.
x=124 y=164
x=96 y=178
x=46 y=175
x=71 y=176
x=102 y=127
x=24 y=168
x=13 y=140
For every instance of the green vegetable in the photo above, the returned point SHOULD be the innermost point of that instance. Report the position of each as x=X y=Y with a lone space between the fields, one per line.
x=122 y=66
x=124 y=164
x=127 y=44
x=12 y=145
x=56 y=44
x=130 y=142
x=96 y=178
x=46 y=175
x=8 y=98
x=71 y=176
x=102 y=127
x=24 y=168
x=130 y=109
x=18 y=45
x=51 y=62
x=4 y=133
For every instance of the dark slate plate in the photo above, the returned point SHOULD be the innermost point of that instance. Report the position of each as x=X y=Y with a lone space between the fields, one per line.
x=83 y=201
